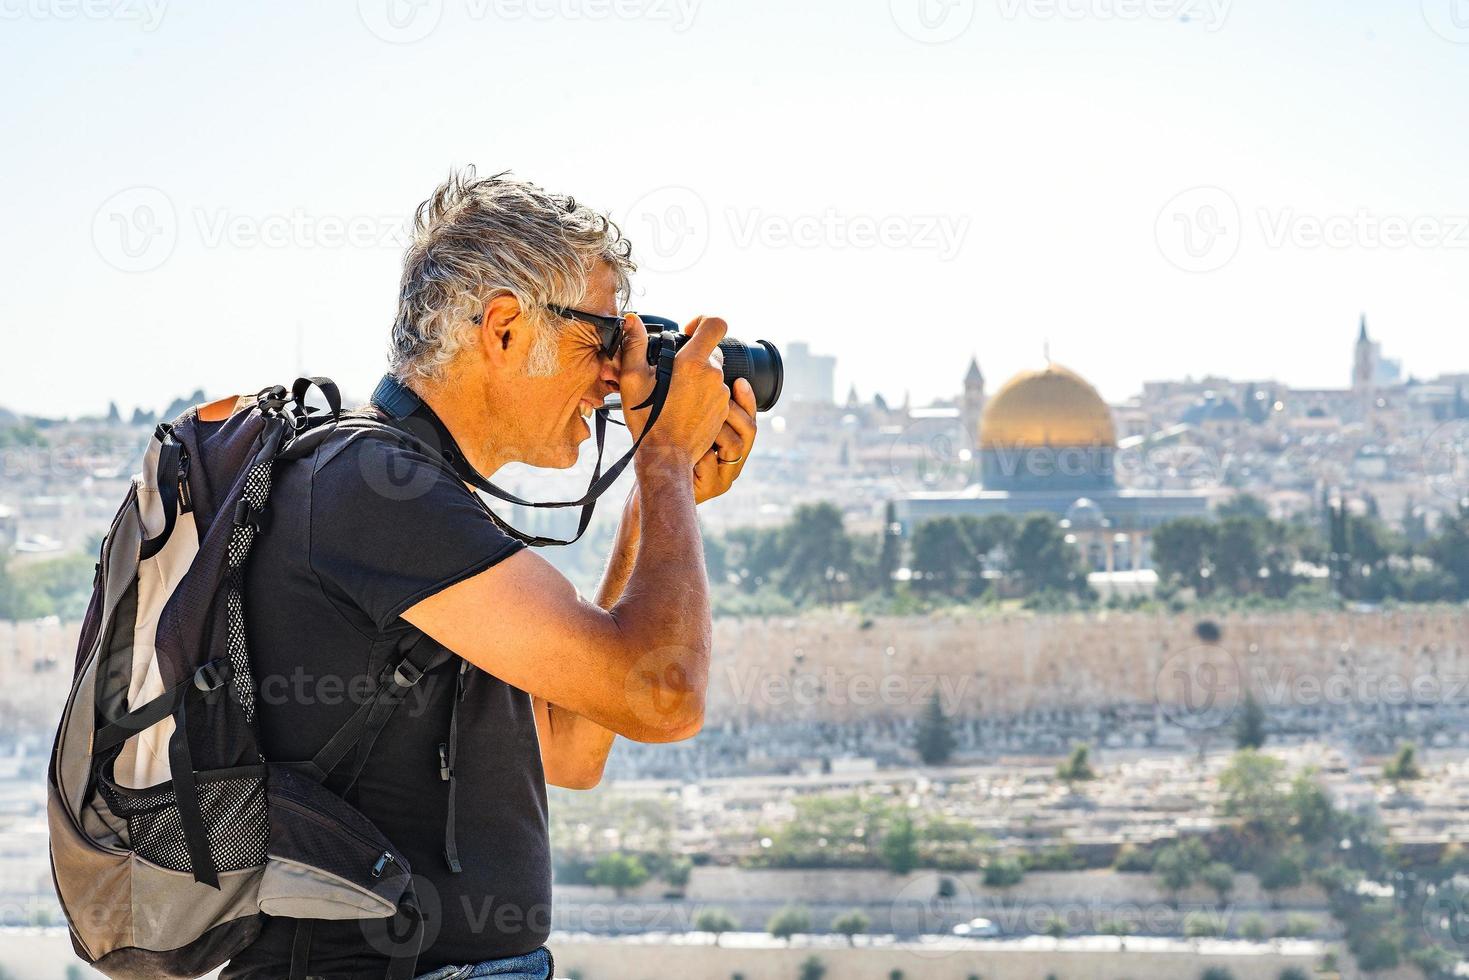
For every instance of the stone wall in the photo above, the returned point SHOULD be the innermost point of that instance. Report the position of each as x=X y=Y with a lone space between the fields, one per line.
x=1099 y=959
x=835 y=667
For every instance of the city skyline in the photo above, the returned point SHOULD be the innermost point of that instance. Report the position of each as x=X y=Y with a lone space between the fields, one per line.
x=841 y=388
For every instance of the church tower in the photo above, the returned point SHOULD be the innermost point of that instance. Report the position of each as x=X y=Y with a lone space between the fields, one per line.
x=972 y=405
x=1364 y=363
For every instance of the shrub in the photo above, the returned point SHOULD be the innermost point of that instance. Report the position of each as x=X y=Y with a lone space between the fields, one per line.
x=851 y=924
x=789 y=921
x=813 y=969
x=1003 y=873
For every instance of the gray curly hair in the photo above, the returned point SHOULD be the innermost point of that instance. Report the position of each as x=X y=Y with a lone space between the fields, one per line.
x=478 y=238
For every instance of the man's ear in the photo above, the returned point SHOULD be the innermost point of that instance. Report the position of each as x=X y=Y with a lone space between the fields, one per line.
x=503 y=332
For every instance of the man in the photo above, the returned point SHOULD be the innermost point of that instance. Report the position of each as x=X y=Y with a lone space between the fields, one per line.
x=371 y=548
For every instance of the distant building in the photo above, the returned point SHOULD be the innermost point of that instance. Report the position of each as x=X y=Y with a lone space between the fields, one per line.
x=1047 y=444
x=973 y=400
x=1370 y=370
x=808 y=377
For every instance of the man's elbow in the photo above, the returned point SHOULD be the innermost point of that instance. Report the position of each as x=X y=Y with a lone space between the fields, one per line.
x=584 y=777
x=665 y=694
x=676 y=724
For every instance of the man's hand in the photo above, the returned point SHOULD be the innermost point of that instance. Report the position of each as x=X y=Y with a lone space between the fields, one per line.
x=698 y=402
x=737 y=433
x=717 y=469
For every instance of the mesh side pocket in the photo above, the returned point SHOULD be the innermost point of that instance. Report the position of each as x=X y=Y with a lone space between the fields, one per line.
x=236 y=818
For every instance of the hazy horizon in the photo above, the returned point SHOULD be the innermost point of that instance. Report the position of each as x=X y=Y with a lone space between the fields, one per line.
x=1156 y=188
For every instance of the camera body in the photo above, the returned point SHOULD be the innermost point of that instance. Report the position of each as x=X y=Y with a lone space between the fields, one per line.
x=757 y=363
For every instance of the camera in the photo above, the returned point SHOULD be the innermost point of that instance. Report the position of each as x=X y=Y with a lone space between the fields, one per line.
x=757 y=363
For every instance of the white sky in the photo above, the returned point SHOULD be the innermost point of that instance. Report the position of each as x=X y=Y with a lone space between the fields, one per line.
x=1046 y=139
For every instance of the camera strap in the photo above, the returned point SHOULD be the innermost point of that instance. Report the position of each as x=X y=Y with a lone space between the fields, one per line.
x=408 y=412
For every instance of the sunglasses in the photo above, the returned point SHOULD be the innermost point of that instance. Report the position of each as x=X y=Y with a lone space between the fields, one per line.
x=609 y=328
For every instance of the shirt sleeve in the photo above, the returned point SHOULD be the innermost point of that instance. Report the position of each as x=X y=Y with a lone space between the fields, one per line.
x=390 y=527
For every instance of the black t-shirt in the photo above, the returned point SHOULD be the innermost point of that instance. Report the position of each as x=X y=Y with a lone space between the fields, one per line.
x=355 y=534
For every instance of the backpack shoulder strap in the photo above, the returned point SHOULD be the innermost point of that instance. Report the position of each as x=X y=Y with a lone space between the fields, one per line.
x=362 y=729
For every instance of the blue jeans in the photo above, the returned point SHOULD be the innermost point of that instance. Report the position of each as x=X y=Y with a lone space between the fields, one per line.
x=532 y=966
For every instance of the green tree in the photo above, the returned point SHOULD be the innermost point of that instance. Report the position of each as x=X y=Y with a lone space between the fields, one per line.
x=1200 y=925
x=1281 y=872
x=1043 y=561
x=715 y=920
x=1404 y=766
x=677 y=872
x=1311 y=813
x=1244 y=505
x=934 y=739
x=1294 y=973
x=1179 y=864
x=1255 y=929
x=890 y=554
x=618 y=871
x=1298 y=926
x=1220 y=878
x=1056 y=928
x=1449 y=549
x=945 y=559
x=1249 y=725
x=900 y=847
x=792 y=920
x=1182 y=552
x=1251 y=788
x=1379 y=954
x=1003 y=872
x=1216 y=973
x=813 y=968
x=851 y=924
x=818 y=553
x=1077 y=768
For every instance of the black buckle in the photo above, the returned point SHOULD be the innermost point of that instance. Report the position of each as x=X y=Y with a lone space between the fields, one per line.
x=406 y=675
x=246 y=515
x=211 y=676
x=272 y=400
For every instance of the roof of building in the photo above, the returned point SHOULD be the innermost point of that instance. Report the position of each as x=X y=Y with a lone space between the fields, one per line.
x=1050 y=407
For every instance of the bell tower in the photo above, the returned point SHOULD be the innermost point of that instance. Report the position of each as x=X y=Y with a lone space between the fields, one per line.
x=1364 y=362
x=972 y=405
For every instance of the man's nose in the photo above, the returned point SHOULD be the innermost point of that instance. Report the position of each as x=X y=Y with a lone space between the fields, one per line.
x=608 y=374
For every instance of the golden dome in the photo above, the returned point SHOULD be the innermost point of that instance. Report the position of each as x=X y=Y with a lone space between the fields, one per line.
x=1051 y=407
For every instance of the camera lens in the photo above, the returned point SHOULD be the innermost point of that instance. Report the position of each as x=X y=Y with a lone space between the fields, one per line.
x=759 y=364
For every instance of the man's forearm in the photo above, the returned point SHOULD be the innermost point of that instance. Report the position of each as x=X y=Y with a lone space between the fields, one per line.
x=666 y=593
x=663 y=610
x=624 y=552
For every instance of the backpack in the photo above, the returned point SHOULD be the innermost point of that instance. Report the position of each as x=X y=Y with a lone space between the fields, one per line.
x=171 y=836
